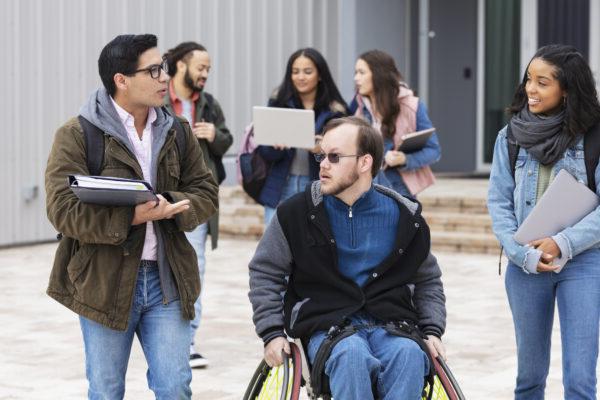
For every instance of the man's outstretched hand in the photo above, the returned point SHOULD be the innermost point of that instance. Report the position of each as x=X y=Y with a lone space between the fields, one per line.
x=152 y=211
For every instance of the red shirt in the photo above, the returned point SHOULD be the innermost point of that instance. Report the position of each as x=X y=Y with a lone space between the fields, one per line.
x=176 y=101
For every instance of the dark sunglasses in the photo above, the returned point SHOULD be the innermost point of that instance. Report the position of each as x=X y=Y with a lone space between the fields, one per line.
x=333 y=158
x=154 y=69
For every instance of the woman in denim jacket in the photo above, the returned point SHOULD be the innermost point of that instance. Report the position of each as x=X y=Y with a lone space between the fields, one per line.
x=553 y=107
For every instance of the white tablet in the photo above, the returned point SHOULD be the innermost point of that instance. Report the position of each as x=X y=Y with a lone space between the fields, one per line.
x=284 y=126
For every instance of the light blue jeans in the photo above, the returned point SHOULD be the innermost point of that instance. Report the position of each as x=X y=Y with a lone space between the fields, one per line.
x=197 y=239
x=163 y=335
x=576 y=290
x=371 y=357
x=293 y=185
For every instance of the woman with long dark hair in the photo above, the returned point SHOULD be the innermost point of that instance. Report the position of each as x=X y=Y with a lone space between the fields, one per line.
x=307 y=84
x=554 y=111
x=384 y=99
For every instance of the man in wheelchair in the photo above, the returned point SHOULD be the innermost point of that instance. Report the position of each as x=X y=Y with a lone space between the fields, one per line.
x=360 y=286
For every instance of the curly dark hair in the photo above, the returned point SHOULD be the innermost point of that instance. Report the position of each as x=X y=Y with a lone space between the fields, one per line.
x=582 y=110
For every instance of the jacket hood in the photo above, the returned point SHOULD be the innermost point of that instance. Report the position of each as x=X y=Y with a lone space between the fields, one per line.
x=100 y=111
x=413 y=206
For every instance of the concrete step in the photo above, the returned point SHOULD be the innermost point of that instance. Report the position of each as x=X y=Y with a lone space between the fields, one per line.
x=462 y=222
x=464 y=242
x=451 y=204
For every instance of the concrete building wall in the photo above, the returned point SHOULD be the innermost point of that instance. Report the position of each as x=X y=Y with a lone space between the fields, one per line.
x=51 y=48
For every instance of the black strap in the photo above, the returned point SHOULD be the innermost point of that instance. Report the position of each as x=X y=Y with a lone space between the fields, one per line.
x=513 y=150
x=209 y=116
x=94 y=143
x=180 y=139
x=319 y=380
x=591 y=151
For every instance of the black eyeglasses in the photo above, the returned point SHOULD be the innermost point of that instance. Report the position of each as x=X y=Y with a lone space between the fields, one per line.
x=333 y=158
x=154 y=69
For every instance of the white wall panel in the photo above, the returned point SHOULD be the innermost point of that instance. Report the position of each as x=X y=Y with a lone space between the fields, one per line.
x=51 y=49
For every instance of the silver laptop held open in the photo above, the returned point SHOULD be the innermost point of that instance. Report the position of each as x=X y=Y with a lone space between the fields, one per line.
x=284 y=126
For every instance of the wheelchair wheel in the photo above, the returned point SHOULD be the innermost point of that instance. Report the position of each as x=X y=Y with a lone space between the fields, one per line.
x=279 y=383
x=445 y=386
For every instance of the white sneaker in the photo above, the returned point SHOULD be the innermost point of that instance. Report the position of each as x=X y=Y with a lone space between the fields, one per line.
x=197 y=361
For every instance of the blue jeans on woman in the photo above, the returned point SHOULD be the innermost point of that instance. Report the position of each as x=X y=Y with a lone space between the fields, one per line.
x=293 y=185
x=163 y=334
x=576 y=290
x=372 y=357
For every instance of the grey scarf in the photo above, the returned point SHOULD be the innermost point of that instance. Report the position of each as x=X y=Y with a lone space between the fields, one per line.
x=541 y=136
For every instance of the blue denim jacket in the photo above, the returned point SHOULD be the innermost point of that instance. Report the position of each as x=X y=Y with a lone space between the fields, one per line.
x=511 y=200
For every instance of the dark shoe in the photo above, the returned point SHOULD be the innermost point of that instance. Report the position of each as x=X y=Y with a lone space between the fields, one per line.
x=197 y=361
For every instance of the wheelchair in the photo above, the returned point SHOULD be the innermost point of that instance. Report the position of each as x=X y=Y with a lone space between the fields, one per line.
x=284 y=382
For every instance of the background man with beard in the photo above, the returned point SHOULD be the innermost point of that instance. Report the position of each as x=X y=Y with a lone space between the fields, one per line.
x=348 y=252
x=189 y=66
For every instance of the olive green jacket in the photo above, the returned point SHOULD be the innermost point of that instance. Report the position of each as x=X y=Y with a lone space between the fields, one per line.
x=218 y=147
x=96 y=263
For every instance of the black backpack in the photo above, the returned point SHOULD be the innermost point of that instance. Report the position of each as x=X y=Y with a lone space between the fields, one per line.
x=94 y=143
x=591 y=151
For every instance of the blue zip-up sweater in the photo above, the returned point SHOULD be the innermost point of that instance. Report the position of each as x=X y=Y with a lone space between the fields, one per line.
x=364 y=232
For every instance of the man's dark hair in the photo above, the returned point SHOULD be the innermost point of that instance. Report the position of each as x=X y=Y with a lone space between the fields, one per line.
x=327 y=91
x=121 y=55
x=368 y=140
x=582 y=109
x=183 y=51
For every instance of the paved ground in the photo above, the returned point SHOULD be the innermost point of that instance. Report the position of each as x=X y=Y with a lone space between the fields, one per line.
x=41 y=355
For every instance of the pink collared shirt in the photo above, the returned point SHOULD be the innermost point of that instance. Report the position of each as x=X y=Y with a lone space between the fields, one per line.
x=143 y=153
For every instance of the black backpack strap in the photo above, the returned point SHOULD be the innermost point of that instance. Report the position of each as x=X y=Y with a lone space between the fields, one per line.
x=94 y=145
x=180 y=139
x=209 y=116
x=513 y=150
x=591 y=150
x=318 y=379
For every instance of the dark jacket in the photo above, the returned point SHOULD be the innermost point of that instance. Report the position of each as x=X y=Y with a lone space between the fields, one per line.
x=299 y=246
x=97 y=260
x=210 y=111
x=282 y=159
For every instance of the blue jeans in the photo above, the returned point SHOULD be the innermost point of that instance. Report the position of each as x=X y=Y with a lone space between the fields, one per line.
x=293 y=185
x=576 y=290
x=197 y=239
x=371 y=357
x=163 y=335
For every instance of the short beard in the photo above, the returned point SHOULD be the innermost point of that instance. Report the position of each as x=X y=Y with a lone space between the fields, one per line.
x=189 y=82
x=340 y=186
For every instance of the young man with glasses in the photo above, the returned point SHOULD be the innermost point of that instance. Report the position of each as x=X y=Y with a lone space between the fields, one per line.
x=130 y=270
x=351 y=254
x=189 y=66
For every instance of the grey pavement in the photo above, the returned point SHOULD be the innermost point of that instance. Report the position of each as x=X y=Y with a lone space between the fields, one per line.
x=41 y=351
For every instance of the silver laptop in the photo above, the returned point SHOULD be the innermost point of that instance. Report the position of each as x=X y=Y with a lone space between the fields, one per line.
x=563 y=204
x=284 y=126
